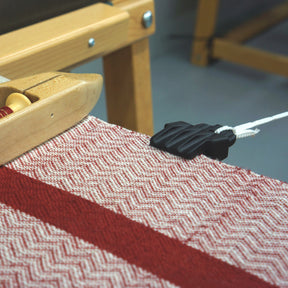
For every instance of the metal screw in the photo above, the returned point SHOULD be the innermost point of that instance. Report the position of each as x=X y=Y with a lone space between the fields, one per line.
x=147 y=19
x=91 y=42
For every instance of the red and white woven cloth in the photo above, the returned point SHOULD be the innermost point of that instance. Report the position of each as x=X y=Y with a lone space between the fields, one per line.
x=98 y=207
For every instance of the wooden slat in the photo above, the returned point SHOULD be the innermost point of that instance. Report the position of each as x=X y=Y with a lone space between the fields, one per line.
x=237 y=53
x=56 y=43
x=128 y=87
x=115 y=2
x=62 y=42
x=255 y=26
x=205 y=24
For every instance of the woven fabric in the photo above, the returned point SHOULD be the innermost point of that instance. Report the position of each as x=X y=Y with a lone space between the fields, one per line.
x=200 y=219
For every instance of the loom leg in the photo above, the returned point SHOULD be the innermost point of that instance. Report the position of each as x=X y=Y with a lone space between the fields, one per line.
x=128 y=87
x=204 y=30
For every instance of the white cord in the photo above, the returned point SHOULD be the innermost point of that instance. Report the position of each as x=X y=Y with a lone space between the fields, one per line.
x=245 y=130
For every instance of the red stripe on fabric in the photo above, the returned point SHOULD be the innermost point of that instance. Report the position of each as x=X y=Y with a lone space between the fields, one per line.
x=140 y=245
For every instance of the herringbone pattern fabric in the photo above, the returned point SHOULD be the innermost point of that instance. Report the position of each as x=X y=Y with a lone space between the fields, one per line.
x=231 y=214
x=36 y=254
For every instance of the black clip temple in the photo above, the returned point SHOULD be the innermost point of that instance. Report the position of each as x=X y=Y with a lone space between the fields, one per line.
x=188 y=141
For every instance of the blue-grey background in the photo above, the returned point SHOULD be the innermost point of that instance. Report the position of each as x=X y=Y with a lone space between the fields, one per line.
x=222 y=93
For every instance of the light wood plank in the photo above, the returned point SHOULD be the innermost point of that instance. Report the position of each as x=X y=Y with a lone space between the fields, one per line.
x=62 y=42
x=255 y=58
x=57 y=43
x=128 y=87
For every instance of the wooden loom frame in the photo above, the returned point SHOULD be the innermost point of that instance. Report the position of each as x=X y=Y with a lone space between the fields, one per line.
x=230 y=47
x=61 y=43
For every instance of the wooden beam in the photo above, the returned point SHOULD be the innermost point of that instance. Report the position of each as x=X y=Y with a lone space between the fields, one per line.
x=255 y=58
x=128 y=87
x=56 y=43
x=257 y=25
x=62 y=42
x=205 y=25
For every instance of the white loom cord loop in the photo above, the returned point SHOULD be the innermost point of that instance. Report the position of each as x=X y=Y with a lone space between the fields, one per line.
x=223 y=128
x=244 y=130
